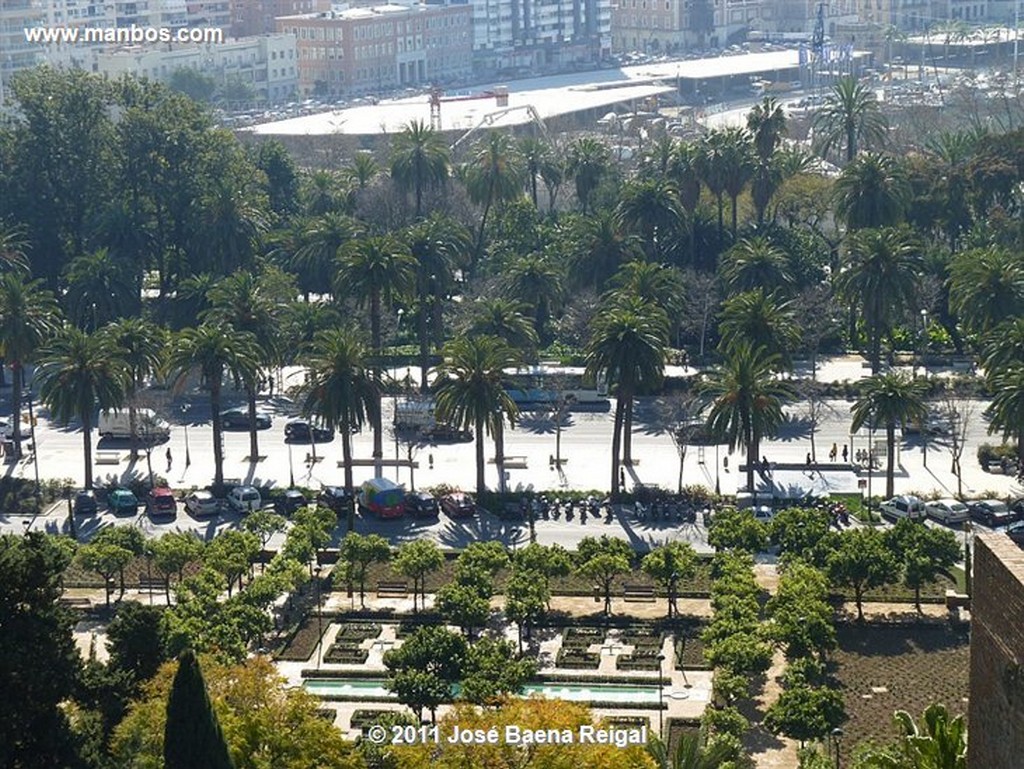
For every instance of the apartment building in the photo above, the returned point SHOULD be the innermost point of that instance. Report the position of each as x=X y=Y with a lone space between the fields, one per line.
x=379 y=48
x=15 y=52
x=257 y=17
x=671 y=25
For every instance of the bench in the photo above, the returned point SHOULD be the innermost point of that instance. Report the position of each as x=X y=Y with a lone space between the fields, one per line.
x=392 y=590
x=75 y=603
x=638 y=594
x=151 y=583
x=108 y=457
x=511 y=463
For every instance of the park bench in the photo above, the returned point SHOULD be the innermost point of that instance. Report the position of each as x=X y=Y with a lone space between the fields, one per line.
x=149 y=584
x=511 y=463
x=108 y=457
x=392 y=590
x=75 y=603
x=638 y=594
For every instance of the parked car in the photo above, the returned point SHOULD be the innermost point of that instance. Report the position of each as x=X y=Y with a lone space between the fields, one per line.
x=991 y=512
x=300 y=430
x=420 y=504
x=292 y=500
x=903 y=507
x=1015 y=532
x=201 y=503
x=335 y=498
x=239 y=418
x=161 y=501
x=85 y=502
x=122 y=502
x=244 y=499
x=763 y=513
x=458 y=504
x=947 y=511
x=118 y=424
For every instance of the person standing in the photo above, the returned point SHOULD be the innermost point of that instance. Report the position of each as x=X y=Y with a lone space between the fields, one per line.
x=846 y=453
x=832 y=454
x=170 y=459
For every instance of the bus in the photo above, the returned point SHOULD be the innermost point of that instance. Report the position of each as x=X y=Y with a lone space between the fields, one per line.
x=384 y=498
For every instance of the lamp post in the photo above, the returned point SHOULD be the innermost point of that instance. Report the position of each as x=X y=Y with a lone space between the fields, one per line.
x=319 y=619
x=291 y=469
x=924 y=367
x=837 y=739
x=718 y=485
x=35 y=450
x=71 y=513
x=661 y=696
x=394 y=399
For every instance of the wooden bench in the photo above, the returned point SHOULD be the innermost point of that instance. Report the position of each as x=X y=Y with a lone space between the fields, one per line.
x=150 y=584
x=108 y=457
x=392 y=590
x=511 y=463
x=75 y=603
x=638 y=594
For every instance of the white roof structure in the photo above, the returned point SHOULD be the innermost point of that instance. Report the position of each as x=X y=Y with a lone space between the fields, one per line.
x=550 y=96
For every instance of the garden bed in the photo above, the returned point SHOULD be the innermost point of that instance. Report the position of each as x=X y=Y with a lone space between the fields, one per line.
x=302 y=644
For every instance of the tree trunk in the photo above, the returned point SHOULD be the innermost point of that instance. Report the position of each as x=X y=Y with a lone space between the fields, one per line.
x=346 y=457
x=480 y=487
x=890 y=460
x=478 y=250
x=87 y=448
x=218 y=435
x=424 y=346
x=254 y=445
x=378 y=430
x=627 y=430
x=17 y=378
x=616 y=444
x=721 y=216
x=733 y=199
x=499 y=452
x=133 y=426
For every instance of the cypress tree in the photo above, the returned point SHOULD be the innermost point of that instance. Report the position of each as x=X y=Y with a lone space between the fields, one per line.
x=192 y=737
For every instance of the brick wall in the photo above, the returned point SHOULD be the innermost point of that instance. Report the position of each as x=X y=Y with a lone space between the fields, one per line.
x=996 y=708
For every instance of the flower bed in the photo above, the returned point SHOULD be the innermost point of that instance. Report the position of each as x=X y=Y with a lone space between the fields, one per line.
x=358 y=632
x=303 y=642
x=346 y=653
x=577 y=659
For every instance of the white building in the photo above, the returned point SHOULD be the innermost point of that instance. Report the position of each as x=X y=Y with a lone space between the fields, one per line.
x=15 y=52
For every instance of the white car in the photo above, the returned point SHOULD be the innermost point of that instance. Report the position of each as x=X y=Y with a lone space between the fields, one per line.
x=244 y=499
x=763 y=513
x=201 y=503
x=903 y=507
x=947 y=511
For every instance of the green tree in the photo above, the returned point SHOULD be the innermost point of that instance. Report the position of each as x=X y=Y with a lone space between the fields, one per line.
x=362 y=169
x=537 y=281
x=77 y=373
x=231 y=553
x=598 y=247
x=492 y=672
x=106 y=559
x=805 y=713
x=986 y=288
x=602 y=560
x=343 y=391
x=264 y=524
x=746 y=400
x=687 y=168
x=888 y=400
x=587 y=163
x=756 y=263
x=503 y=318
x=28 y=317
x=539 y=159
x=230 y=220
x=1006 y=412
x=129 y=538
x=736 y=166
x=471 y=394
x=923 y=552
x=861 y=562
x=315 y=246
x=140 y=344
x=802 y=533
x=494 y=174
x=214 y=353
x=881 y=277
x=627 y=349
x=423 y=669
x=692 y=752
x=135 y=640
x=801 y=616
x=849 y=118
x=194 y=84
x=419 y=160
x=100 y=288
x=526 y=597
x=871 y=192
x=358 y=552
x=415 y=560
x=172 y=552
x=761 y=320
x=939 y=742
x=733 y=529
x=651 y=209
x=466 y=602
x=668 y=564
x=192 y=735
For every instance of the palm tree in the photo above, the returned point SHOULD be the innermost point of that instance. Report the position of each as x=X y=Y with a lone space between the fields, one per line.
x=440 y=245
x=756 y=263
x=503 y=318
x=762 y=320
x=13 y=248
x=766 y=123
x=691 y=753
x=139 y=344
x=880 y=277
x=376 y=271
x=322 y=193
x=627 y=349
x=342 y=390
x=714 y=170
x=362 y=169
x=887 y=400
x=77 y=373
x=494 y=174
x=537 y=281
x=1006 y=412
x=191 y=299
x=657 y=284
x=230 y=225
x=301 y=322
x=686 y=169
x=318 y=245
x=651 y=208
x=28 y=315
x=850 y=117
x=471 y=394
x=940 y=742
x=537 y=157
x=213 y=352
x=1004 y=346
x=599 y=248
x=419 y=159
x=872 y=191
x=737 y=166
x=587 y=163
x=100 y=288
x=243 y=302
x=986 y=287
x=746 y=400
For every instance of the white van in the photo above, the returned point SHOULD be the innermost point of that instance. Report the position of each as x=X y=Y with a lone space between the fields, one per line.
x=117 y=424
x=903 y=507
x=244 y=499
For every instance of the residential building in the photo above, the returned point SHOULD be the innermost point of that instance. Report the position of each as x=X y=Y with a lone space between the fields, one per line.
x=379 y=48
x=267 y=64
x=257 y=17
x=671 y=25
x=15 y=52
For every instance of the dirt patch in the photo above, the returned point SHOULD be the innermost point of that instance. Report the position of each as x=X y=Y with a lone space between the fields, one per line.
x=765 y=748
x=767 y=576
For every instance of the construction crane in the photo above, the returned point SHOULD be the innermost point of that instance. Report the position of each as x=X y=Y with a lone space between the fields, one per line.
x=437 y=98
x=492 y=117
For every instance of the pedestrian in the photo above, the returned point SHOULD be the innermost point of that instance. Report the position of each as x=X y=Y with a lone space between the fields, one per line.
x=846 y=453
x=170 y=459
x=809 y=461
x=622 y=479
x=430 y=461
x=725 y=463
x=832 y=453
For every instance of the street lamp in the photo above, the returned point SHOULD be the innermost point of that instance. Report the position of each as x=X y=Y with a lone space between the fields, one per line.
x=35 y=450
x=924 y=367
x=718 y=485
x=319 y=619
x=661 y=696
x=837 y=739
x=71 y=513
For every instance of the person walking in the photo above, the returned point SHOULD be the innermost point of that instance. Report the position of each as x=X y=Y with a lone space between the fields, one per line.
x=832 y=454
x=170 y=459
x=846 y=453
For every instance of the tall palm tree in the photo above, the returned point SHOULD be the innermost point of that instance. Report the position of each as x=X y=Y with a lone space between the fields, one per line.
x=849 y=118
x=28 y=315
x=440 y=245
x=599 y=247
x=419 y=160
x=651 y=208
x=888 y=400
x=211 y=351
x=537 y=157
x=100 y=288
x=986 y=287
x=231 y=223
x=537 y=281
x=746 y=400
x=872 y=191
x=376 y=271
x=342 y=390
x=687 y=169
x=362 y=169
x=1006 y=412
x=139 y=344
x=627 y=348
x=587 y=162
x=243 y=302
x=767 y=125
x=13 y=248
x=657 y=284
x=77 y=373
x=880 y=277
x=494 y=174
x=1004 y=346
x=322 y=192
x=715 y=169
x=471 y=394
x=761 y=319
x=301 y=322
x=503 y=318
x=737 y=159
x=756 y=263
x=317 y=248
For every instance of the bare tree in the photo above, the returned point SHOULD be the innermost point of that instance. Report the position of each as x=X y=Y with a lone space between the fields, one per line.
x=702 y=288
x=817 y=409
x=817 y=311
x=959 y=411
x=679 y=412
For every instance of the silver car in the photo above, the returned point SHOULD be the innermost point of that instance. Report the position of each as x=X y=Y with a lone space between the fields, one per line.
x=200 y=504
x=947 y=511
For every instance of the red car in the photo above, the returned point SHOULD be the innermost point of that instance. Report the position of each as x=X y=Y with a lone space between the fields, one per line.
x=458 y=504
x=161 y=501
